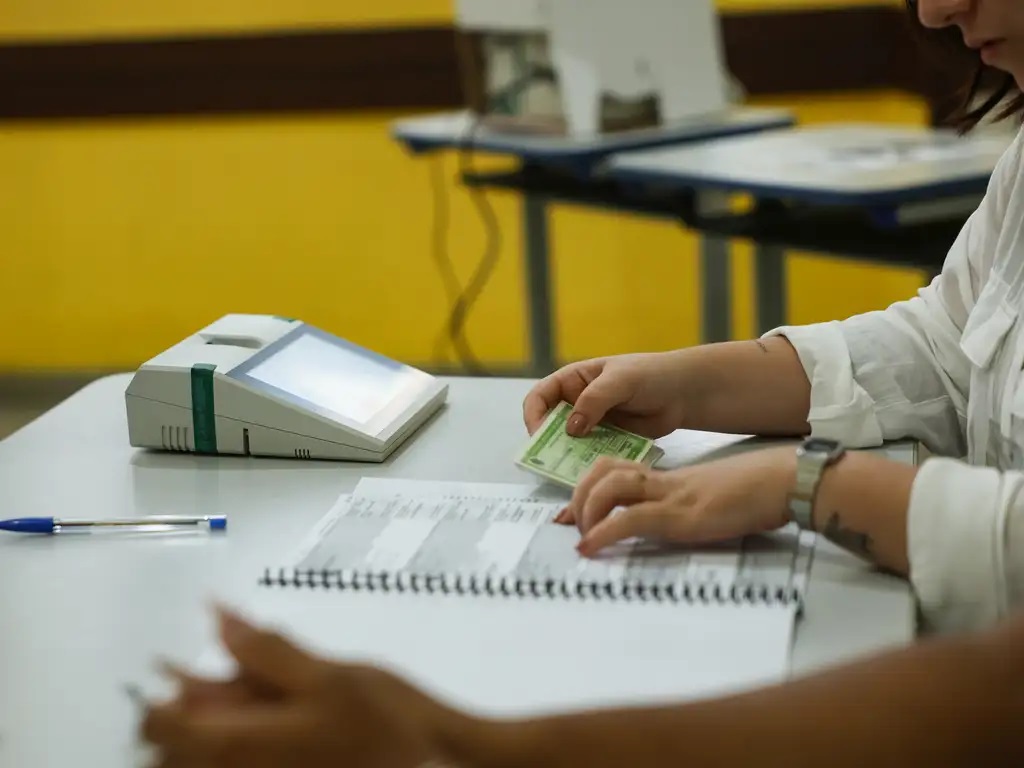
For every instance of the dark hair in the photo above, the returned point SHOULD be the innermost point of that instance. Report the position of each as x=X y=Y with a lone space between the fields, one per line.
x=998 y=91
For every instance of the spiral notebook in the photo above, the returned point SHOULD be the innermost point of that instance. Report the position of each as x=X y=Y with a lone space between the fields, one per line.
x=470 y=592
x=498 y=541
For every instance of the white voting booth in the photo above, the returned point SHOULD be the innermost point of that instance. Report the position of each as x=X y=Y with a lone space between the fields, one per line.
x=662 y=49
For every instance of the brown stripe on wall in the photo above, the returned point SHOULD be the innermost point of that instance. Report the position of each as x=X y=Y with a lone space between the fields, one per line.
x=815 y=51
x=333 y=70
x=278 y=72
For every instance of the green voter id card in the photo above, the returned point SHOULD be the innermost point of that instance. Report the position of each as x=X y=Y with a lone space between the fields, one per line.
x=556 y=456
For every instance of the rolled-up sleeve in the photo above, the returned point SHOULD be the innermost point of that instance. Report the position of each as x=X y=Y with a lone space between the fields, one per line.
x=894 y=374
x=841 y=408
x=965 y=536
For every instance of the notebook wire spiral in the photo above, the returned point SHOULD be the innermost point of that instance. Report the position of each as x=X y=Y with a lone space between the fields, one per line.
x=509 y=586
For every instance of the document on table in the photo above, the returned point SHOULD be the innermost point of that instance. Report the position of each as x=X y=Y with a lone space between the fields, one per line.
x=459 y=534
x=523 y=652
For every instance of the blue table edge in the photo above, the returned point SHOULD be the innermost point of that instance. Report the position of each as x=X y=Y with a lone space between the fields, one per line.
x=814 y=195
x=585 y=158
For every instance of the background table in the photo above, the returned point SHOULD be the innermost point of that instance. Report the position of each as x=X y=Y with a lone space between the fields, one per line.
x=82 y=616
x=581 y=159
x=889 y=194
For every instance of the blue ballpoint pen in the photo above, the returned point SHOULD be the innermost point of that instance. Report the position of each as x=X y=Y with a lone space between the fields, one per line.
x=151 y=524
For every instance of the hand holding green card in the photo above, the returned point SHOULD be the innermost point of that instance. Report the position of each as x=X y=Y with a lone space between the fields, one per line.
x=565 y=460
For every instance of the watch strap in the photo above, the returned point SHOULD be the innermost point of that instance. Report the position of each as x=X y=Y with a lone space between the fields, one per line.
x=810 y=466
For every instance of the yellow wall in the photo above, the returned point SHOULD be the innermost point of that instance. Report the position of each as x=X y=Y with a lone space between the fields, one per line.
x=77 y=18
x=87 y=18
x=119 y=237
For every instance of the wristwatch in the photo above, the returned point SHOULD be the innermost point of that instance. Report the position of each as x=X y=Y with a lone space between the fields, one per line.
x=812 y=457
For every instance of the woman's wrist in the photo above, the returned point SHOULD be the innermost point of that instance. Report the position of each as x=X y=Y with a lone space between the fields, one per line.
x=686 y=383
x=784 y=461
x=697 y=379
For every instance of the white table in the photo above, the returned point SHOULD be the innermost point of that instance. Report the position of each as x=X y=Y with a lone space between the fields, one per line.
x=899 y=175
x=81 y=616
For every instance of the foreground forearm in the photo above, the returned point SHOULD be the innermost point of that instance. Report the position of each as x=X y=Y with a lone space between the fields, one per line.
x=747 y=387
x=951 y=703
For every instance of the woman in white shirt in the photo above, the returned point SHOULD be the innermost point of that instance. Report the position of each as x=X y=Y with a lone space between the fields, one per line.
x=946 y=368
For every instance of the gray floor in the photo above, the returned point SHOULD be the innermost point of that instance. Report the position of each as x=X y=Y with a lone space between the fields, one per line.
x=24 y=398
x=14 y=416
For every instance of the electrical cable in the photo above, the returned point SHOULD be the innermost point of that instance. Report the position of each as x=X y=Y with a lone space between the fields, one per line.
x=454 y=332
x=442 y=258
x=492 y=253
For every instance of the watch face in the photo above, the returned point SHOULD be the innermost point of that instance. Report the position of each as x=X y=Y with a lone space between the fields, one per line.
x=821 y=445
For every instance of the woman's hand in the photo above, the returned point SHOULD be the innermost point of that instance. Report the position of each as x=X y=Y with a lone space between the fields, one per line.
x=642 y=393
x=288 y=707
x=743 y=494
x=716 y=387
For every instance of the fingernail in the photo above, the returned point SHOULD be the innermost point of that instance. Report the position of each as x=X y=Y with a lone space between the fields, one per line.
x=577 y=426
x=562 y=516
x=583 y=547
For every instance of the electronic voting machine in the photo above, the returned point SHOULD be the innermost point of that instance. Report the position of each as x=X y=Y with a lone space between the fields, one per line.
x=260 y=385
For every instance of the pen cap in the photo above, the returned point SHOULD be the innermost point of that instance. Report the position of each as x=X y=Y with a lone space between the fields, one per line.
x=219 y=523
x=28 y=525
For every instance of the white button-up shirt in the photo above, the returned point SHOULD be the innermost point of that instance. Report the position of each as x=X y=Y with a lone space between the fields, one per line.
x=945 y=368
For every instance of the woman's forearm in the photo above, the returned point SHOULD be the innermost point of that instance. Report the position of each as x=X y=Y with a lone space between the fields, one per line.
x=746 y=387
x=759 y=387
x=862 y=504
x=956 y=702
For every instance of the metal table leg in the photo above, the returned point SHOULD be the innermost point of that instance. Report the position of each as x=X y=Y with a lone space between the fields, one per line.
x=716 y=278
x=538 y=285
x=770 y=271
x=716 y=290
